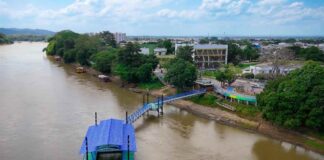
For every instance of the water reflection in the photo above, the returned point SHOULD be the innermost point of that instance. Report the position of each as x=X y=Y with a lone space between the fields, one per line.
x=265 y=149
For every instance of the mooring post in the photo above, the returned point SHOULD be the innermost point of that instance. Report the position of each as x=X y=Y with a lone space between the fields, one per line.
x=143 y=99
x=162 y=98
x=126 y=117
x=87 y=150
x=96 y=118
x=158 y=109
x=128 y=147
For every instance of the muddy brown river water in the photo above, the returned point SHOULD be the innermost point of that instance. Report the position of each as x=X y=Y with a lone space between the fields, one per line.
x=45 y=109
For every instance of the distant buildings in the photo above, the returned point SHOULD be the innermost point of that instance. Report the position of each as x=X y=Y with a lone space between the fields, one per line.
x=210 y=56
x=160 y=51
x=269 y=69
x=120 y=37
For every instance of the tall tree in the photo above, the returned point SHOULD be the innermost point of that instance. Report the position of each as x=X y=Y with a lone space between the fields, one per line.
x=185 y=53
x=182 y=74
x=234 y=52
x=108 y=38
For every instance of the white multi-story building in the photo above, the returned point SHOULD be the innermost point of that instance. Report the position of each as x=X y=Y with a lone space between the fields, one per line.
x=210 y=56
x=119 y=37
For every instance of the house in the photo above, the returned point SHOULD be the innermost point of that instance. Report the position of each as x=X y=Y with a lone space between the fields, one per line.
x=269 y=69
x=145 y=51
x=160 y=51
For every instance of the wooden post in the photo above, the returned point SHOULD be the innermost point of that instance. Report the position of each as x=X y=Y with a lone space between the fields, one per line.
x=162 y=98
x=126 y=117
x=143 y=99
x=158 y=104
x=87 y=150
x=147 y=97
x=128 y=147
x=96 y=118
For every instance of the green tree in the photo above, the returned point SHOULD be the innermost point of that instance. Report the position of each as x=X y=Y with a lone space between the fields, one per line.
x=60 y=42
x=296 y=100
x=108 y=38
x=234 y=53
x=181 y=73
x=204 y=41
x=85 y=47
x=250 y=53
x=185 y=53
x=135 y=67
x=103 y=60
x=166 y=44
x=69 y=56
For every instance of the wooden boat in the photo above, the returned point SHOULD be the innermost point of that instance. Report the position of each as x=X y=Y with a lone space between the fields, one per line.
x=80 y=70
x=104 y=78
x=57 y=58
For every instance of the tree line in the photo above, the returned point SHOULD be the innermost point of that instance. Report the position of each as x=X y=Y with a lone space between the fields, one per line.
x=101 y=52
x=4 y=39
x=297 y=100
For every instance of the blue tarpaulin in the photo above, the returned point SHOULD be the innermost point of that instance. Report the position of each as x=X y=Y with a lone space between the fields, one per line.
x=110 y=132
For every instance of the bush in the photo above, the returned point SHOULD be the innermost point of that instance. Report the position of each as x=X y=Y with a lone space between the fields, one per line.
x=248 y=75
x=69 y=56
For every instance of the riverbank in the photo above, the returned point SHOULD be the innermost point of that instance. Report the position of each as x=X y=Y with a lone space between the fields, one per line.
x=222 y=116
x=255 y=125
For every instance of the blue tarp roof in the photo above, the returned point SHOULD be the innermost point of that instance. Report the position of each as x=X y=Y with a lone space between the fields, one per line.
x=110 y=132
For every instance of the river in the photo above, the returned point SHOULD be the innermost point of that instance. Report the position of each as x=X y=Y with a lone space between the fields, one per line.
x=45 y=109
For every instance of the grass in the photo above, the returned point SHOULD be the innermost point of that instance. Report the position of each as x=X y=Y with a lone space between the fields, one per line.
x=244 y=110
x=208 y=73
x=245 y=65
x=154 y=84
x=314 y=144
x=205 y=100
x=150 y=46
x=163 y=61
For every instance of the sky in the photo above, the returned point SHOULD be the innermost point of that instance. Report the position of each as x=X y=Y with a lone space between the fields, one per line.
x=169 y=17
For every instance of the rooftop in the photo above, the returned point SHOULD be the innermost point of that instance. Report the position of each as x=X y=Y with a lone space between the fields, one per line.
x=110 y=132
x=210 y=46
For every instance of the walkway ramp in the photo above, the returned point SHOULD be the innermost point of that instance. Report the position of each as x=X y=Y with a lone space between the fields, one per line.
x=137 y=114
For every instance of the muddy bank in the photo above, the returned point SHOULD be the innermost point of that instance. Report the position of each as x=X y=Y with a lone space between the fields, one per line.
x=262 y=127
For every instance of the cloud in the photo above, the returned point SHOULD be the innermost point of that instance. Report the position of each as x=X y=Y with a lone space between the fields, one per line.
x=90 y=14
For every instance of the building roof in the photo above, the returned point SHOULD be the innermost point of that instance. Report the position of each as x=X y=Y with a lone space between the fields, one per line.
x=110 y=132
x=160 y=50
x=210 y=46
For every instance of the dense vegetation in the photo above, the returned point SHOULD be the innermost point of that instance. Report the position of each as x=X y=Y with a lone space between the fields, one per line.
x=310 y=53
x=4 y=39
x=31 y=38
x=236 y=54
x=102 y=53
x=182 y=73
x=296 y=100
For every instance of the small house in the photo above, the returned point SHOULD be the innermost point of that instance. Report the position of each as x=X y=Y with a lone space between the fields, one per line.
x=160 y=51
